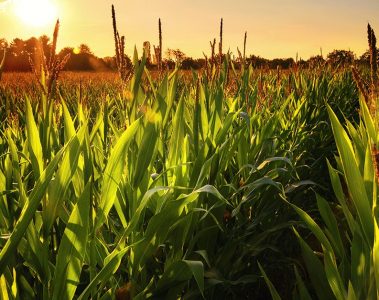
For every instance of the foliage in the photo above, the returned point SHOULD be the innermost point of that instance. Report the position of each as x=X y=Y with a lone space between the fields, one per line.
x=349 y=233
x=206 y=184
x=172 y=187
x=340 y=58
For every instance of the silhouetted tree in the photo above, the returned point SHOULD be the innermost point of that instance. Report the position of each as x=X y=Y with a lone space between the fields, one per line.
x=110 y=62
x=283 y=63
x=17 y=47
x=257 y=61
x=17 y=58
x=45 y=44
x=365 y=57
x=316 y=61
x=168 y=63
x=340 y=58
x=175 y=54
x=30 y=46
x=85 y=49
x=65 y=51
x=190 y=63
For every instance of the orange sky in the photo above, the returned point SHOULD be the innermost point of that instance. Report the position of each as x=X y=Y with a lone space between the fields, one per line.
x=276 y=28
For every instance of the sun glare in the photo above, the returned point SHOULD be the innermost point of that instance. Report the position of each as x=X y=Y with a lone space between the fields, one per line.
x=35 y=13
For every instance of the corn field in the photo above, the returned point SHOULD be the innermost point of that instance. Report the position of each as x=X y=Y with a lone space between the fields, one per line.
x=219 y=184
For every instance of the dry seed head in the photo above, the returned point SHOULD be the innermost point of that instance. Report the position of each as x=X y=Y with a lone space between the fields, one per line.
x=35 y=72
x=120 y=50
x=206 y=65
x=197 y=95
x=47 y=73
x=369 y=36
x=160 y=44
x=361 y=85
x=116 y=35
x=220 y=44
x=244 y=46
x=240 y=55
x=213 y=45
x=373 y=60
x=54 y=45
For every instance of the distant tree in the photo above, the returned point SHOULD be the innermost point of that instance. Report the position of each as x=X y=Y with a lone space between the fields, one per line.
x=365 y=57
x=21 y=51
x=316 y=61
x=190 y=63
x=200 y=62
x=17 y=47
x=45 y=44
x=110 y=62
x=175 y=54
x=17 y=58
x=85 y=49
x=65 y=51
x=283 y=63
x=340 y=58
x=257 y=61
x=302 y=63
x=30 y=46
x=168 y=63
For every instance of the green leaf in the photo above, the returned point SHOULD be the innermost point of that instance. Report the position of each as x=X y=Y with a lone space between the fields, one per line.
x=351 y=293
x=360 y=261
x=3 y=288
x=274 y=293
x=34 y=142
x=353 y=177
x=59 y=186
x=176 y=142
x=182 y=271
x=303 y=292
x=369 y=123
x=69 y=128
x=29 y=210
x=334 y=277
x=72 y=249
x=145 y=153
x=375 y=251
x=315 y=270
x=113 y=172
x=331 y=223
x=338 y=191
x=111 y=264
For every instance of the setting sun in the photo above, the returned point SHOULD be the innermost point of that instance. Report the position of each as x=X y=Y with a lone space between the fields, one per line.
x=36 y=13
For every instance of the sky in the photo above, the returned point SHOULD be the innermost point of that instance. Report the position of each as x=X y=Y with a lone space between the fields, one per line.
x=275 y=28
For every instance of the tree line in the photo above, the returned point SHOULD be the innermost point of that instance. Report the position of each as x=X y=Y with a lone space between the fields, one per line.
x=20 y=53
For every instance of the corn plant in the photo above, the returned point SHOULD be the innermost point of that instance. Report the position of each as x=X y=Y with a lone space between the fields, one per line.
x=164 y=187
x=47 y=71
x=349 y=244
